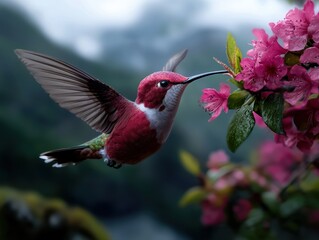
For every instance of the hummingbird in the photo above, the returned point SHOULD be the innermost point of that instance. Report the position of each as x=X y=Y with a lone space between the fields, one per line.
x=130 y=131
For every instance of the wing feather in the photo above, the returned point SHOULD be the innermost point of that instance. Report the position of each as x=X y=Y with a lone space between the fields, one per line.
x=173 y=62
x=89 y=99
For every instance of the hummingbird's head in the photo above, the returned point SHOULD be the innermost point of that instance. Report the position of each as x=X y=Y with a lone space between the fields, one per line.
x=163 y=90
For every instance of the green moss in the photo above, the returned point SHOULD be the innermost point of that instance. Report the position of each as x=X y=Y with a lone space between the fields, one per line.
x=27 y=215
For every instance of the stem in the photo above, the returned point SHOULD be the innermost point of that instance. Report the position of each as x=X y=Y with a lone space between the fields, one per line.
x=251 y=99
x=230 y=71
x=308 y=162
x=279 y=90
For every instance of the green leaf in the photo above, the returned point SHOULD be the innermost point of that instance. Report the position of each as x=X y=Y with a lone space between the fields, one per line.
x=270 y=200
x=237 y=99
x=309 y=186
x=292 y=205
x=272 y=112
x=239 y=84
x=215 y=175
x=190 y=163
x=193 y=195
x=291 y=58
x=301 y=122
x=240 y=127
x=234 y=54
x=257 y=106
x=255 y=216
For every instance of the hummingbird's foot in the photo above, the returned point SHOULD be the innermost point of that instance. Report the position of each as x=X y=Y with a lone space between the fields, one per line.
x=109 y=162
x=113 y=164
x=117 y=165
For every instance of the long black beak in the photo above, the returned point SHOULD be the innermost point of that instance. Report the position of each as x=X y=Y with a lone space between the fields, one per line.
x=201 y=75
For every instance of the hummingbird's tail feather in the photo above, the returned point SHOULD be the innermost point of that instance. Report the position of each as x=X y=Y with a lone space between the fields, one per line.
x=73 y=155
x=69 y=156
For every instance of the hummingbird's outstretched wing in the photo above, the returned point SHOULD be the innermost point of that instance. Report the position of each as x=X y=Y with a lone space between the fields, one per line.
x=173 y=62
x=94 y=102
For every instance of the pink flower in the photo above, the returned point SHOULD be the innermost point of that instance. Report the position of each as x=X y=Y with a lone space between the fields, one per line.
x=259 y=120
x=271 y=69
x=278 y=161
x=215 y=200
x=213 y=210
x=271 y=152
x=313 y=28
x=214 y=101
x=314 y=75
x=299 y=78
x=264 y=66
x=313 y=217
x=212 y=216
x=248 y=75
x=302 y=124
x=263 y=44
x=278 y=173
x=242 y=209
x=310 y=55
x=293 y=30
x=256 y=177
x=223 y=184
x=238 y=178
x=294 y=137
x=217 y=159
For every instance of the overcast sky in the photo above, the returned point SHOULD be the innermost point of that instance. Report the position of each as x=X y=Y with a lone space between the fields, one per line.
x=78 y=23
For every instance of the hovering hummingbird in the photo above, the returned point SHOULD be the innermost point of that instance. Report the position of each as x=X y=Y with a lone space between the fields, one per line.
x=131 y=131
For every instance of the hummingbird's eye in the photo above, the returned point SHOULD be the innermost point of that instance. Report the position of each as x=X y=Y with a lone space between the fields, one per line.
x=163 y=84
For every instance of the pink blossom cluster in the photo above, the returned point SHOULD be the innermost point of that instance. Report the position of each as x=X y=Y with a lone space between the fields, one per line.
x=214 y=209
x=215 y=205
x=267 y=65
x=219 y=159
x=286 y=62
x=264 y=66
x=278 y=162
x=271 y=173
x=301 y=124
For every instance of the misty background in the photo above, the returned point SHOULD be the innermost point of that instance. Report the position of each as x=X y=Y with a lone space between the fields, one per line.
x=120 y=42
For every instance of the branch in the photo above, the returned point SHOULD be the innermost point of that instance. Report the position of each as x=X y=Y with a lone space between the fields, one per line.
x=305 y=167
